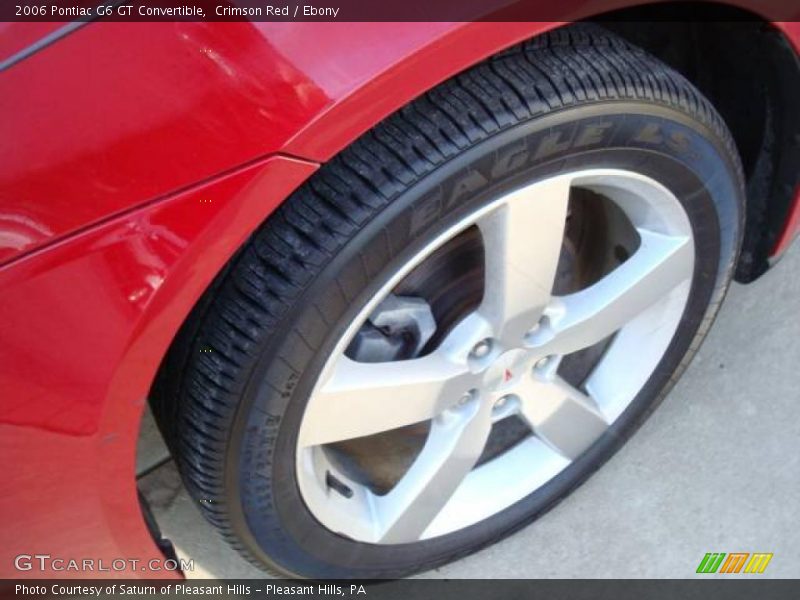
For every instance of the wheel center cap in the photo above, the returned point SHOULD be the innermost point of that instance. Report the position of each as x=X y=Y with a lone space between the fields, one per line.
x=506 y=370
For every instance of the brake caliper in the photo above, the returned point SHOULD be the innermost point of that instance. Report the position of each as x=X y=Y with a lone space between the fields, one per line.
x=397 y=329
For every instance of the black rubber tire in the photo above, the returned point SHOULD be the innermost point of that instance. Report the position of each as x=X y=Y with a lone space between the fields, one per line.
x=232 y=391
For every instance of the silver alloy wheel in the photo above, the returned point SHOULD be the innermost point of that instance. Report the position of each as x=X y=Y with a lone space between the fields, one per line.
x=502 y=359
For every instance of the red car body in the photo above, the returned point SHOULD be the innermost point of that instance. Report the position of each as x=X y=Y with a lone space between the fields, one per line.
x=130 y=173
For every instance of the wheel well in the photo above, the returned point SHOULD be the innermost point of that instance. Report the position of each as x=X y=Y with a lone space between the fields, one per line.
x=751 y=73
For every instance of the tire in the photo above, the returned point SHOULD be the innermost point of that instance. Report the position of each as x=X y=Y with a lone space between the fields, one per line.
x=233 y=391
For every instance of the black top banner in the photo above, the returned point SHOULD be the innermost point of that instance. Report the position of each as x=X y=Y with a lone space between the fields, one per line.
x=391 y=10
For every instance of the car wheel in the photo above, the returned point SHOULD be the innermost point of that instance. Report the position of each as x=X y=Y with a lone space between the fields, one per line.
x=461 y=316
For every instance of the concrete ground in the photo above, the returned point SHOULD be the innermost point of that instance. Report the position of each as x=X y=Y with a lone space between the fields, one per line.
x=715 y=469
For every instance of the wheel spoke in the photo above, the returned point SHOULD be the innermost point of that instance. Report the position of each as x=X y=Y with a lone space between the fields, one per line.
x=360 y=399
x=522 y=241
x=562 y=416
x=587 y=317
x=454 y=445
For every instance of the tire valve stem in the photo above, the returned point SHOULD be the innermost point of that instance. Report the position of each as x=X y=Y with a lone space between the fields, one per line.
x=337 y=485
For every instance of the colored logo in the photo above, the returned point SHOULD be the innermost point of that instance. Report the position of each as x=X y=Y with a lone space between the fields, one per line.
x=735 y=562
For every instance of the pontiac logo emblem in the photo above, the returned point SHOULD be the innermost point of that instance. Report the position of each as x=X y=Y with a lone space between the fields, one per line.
x=506 y=370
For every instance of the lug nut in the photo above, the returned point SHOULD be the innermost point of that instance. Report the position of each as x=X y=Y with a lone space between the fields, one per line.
x=465 y=399
x=542 y=362
x=482 y=348
x=501 y=402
